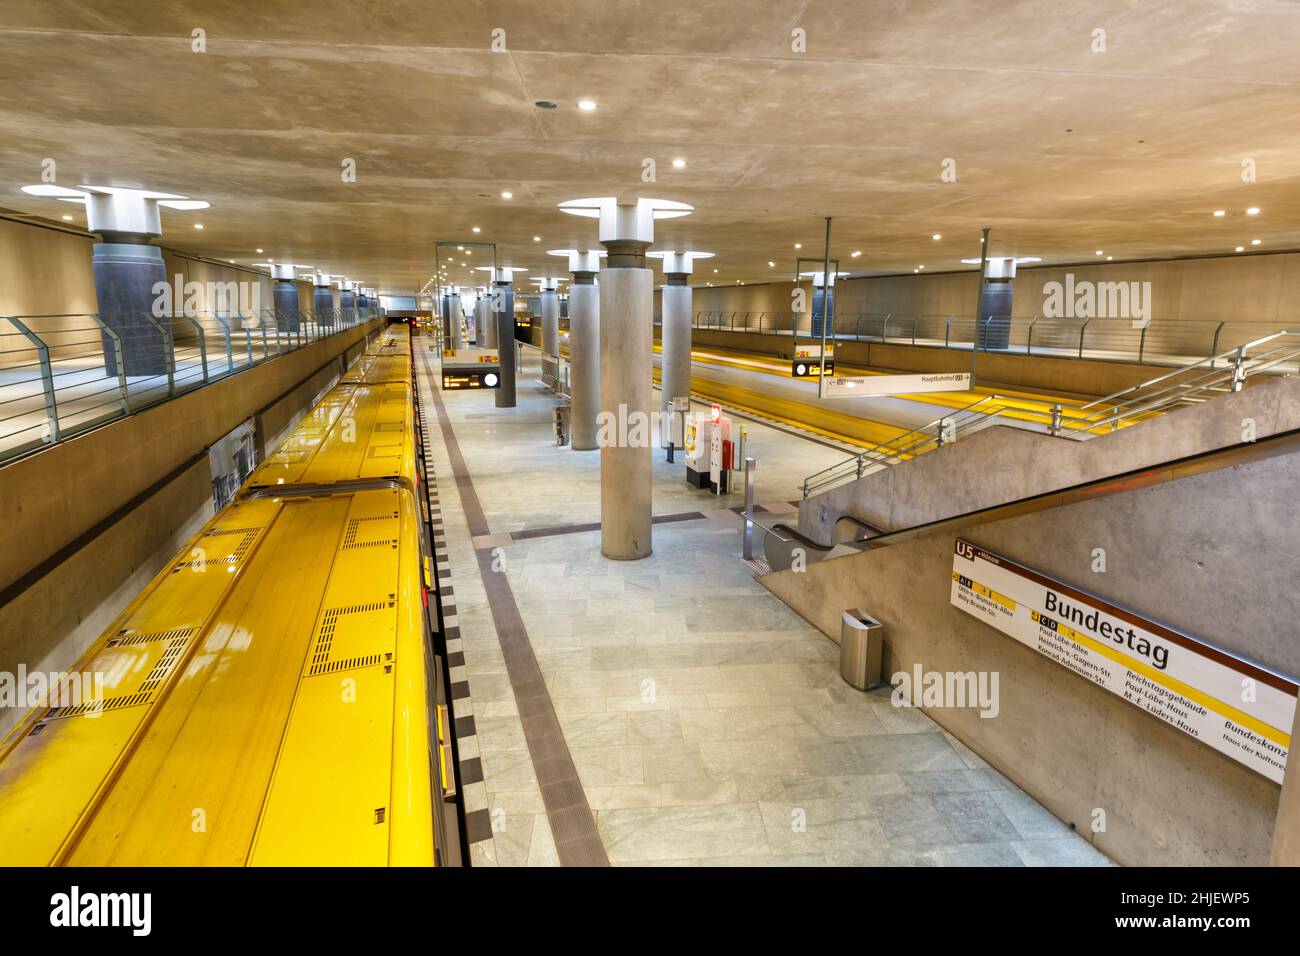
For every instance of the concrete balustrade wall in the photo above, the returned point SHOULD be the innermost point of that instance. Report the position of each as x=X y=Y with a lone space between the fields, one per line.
x=88 y=522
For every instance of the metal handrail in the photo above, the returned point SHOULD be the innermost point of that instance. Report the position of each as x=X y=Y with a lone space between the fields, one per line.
x=1125 y=406
x=62 y=373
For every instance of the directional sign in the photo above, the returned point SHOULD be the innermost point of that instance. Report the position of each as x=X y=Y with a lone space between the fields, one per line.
x=865 y=386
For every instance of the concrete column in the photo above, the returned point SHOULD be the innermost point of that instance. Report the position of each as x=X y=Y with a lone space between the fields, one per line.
x=323 y=298
x=626 y=347
x=675 y=360
x=584 y=346
x=503 y=304
x=285 y=295
x=347 y=297
x=126 y=269
x=456 y=316
x=490 y=318
x=480 y=320
x=550 y=319
x=584 y=361
x=993 y=324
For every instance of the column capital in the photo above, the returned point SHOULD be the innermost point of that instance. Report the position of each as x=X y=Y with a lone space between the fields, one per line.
x=626 y=221
x=679 y=263
x=580 y=260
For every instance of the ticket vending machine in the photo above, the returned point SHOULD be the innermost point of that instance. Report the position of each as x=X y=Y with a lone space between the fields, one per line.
x=710 y=452
x=470 y=368
x=807 y=359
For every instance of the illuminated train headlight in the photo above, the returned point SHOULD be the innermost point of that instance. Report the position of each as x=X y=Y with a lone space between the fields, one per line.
x=490 y=379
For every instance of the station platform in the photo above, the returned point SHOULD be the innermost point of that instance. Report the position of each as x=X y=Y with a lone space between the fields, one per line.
x=671 y=711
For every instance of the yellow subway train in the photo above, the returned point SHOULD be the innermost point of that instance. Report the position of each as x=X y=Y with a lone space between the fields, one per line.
x=276 y=695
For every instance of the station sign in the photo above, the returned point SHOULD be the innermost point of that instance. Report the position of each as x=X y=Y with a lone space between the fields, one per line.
x=470 y=368
x=1236 y=706
x=807 y=362
x=810 y=367
x=872 y=386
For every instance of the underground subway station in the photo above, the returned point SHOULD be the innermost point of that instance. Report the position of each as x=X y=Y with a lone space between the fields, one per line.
x=857 y=437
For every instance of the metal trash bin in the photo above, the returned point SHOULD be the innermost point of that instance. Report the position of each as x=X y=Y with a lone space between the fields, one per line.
x=561 y=418
x=861 y=643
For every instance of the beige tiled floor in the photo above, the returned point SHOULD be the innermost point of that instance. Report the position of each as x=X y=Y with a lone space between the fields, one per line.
x=708 y=722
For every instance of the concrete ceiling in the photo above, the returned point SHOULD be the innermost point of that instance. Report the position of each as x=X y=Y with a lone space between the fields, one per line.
x=1061 y=150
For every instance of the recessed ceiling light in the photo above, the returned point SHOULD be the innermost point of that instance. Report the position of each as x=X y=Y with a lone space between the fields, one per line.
x=231 y=261
x=198 y=225
x=856 y=253
x=1220 y=212
x=1255 y=242
x=537 y=238
x=1241 y=248
x=798 y=245
x=1252 y=211
x=920 y=267
x=507 y=195
x=67 y=219
x=1110 y=258
x=771 y=264
x=587 y=105
x=678 y=163
x=477 y=229
x=715 y=270
x=259 y=252
x=936 y=237
x=1101 y=252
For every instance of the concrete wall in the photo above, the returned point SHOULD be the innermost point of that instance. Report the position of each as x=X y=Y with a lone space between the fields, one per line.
x=1086 y=377
x=1201 y=554
x=88 y=522
x=1189 y=297
x=47 y=272
x=1002 y=463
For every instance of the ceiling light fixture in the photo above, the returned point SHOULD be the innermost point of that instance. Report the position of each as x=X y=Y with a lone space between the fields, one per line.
x=771 y=264
x=1255 y=242
x=1219 y=213
x=1101 y=252
x=1241 y=248
x=198 y=225
x=1252 y=211
x=67 y=219
x=679 y=163
x=798 y=245
x=259 y=252
x=477 y=229
x=587 y=105
x=537 y=238
x=507 y=195
x=856 y=253
x=936 y=237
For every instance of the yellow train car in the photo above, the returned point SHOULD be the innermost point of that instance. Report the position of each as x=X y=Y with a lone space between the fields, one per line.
x=355 y=433
x=273 y=696
x=386 y=360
